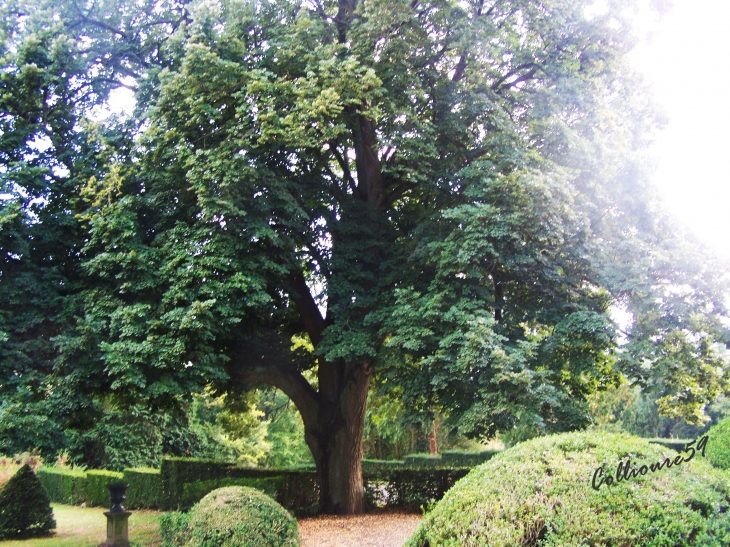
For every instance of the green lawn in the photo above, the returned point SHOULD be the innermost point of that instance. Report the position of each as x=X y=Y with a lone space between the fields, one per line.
x=80 y=527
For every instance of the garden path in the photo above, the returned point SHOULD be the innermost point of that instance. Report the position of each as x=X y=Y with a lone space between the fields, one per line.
x=390 y=529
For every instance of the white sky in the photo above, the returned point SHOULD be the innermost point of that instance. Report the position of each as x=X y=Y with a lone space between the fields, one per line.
x=685 y=56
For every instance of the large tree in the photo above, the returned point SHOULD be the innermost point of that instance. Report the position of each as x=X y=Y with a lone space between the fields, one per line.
x=445 y=195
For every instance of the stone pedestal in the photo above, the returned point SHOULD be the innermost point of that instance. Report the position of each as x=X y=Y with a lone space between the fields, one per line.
x=117 y=518
x=117 y=529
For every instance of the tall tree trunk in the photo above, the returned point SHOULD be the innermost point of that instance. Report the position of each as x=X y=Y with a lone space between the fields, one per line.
x=336 y=444
x=334 y=417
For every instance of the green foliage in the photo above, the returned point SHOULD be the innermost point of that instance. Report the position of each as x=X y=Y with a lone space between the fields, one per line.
x=421 y=460
x=96 y=490
x=463 y=458
x=411 y=488
x=232 y=516
x=64 y=485
x=73 y=487
x=373 y=466
x=174 y=529
x=635 y=411
x=175 y=472
x=284 y=431
x=145 y=488
x=539 y=493
x=718 y=445
x=25 y=509
x=193 y=492
x=185 y=481
x=461 y=186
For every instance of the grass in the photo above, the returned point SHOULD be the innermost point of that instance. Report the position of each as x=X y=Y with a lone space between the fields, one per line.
x=86 y=527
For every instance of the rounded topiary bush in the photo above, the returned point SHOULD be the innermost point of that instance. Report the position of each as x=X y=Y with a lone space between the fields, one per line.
x=718 y=444
x=231 y=517
x=540 y=493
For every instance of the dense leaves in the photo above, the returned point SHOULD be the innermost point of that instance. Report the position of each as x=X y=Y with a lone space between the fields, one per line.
x=541 y=493
x=458 y=184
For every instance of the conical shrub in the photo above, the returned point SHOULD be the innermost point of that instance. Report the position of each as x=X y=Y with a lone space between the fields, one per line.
x=25 y=508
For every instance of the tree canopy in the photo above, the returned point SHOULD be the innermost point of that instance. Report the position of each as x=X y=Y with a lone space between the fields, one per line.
x=447 y=196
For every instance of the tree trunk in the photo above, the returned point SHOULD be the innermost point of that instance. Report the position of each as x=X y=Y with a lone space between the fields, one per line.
x=433 y=447
x=336 y=444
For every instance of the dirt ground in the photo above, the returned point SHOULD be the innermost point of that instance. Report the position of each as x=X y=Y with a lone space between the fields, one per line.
x=389 y=529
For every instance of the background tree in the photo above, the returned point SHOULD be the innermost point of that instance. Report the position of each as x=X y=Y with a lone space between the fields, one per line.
x=455 y=183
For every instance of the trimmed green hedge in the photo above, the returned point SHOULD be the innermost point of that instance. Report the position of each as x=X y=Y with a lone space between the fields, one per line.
x=97 y=493
x=73 y=487
x=174 y=472
x=718 y=444
x=294 y=490
x=544 y=492
x=63 y=485
x=462 y=458
x=145 y=488
x=295 y=487
x=374 y=466
x=421 y=460
x=414 y=487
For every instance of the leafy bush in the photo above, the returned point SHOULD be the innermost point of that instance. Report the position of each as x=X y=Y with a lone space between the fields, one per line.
x=195 y=491
x=174 y=529
x=540 y=493
x=718 y=444
x=232 y=516
x=25 y=509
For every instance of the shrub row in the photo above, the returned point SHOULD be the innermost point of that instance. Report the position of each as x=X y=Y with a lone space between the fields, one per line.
x=292 y=487
x=75 y=487
x=447 y=459
x=183 y=482
x=413 y=488
x=294 y=490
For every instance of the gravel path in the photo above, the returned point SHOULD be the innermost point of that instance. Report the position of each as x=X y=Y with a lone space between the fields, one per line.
x=373 y=530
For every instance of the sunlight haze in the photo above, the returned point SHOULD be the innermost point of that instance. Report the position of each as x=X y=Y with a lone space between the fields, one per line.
x=684 y=56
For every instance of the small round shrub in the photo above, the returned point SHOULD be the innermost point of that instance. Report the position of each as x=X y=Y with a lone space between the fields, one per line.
x=231 y=517
x=718 y=444
x=25 y=509
x=540 y=493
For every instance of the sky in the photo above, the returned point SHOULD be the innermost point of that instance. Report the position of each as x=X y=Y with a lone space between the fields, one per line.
x=685 y=57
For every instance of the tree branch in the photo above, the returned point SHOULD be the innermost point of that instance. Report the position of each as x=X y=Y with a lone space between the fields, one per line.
x=533 y=66
x=313 y=321
x=341 y=160
x=397 y=193
x=246 y=370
